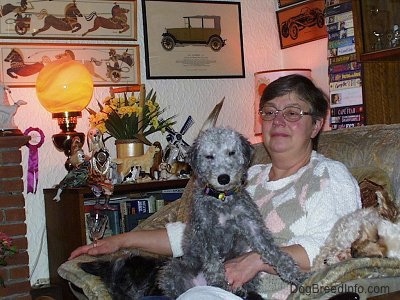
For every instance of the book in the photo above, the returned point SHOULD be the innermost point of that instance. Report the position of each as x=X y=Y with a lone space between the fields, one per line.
x=346 y=125
x=344 y=75
x=123 y=213
x=114 y=219
x=346 y=97
x=345 y=84
x=340 y=25
x=335 y=2
x=341 y=34
x=338 y=8
x=340 y=43
x=347 y=110
x=350 y=66
x=339 y=18
x=342 y=59
x=138 y=206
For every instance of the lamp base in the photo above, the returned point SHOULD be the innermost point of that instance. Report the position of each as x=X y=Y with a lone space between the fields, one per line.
x=10 y=132
x=62 y=141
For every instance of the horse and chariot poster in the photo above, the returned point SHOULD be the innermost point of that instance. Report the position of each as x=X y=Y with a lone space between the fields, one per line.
x=109 y=64
x=69 y=19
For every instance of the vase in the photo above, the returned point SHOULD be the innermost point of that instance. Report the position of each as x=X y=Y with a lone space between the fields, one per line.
x=130 y=147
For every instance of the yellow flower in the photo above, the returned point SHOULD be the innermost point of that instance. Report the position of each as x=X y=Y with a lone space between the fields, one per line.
x=119 y=117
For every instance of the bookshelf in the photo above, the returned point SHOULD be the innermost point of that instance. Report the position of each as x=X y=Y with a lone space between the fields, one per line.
x=65 y=220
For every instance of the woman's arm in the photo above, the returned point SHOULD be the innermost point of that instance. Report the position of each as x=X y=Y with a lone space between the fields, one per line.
x=155 y=241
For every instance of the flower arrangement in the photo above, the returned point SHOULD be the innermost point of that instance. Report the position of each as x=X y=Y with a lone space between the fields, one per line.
x=6 y=250
x=120 y=117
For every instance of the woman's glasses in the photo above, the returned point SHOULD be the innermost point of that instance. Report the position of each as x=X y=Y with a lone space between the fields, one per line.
x=289 y=113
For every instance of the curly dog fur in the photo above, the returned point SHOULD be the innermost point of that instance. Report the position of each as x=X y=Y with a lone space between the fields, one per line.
x=353 y=233
x=224 y=223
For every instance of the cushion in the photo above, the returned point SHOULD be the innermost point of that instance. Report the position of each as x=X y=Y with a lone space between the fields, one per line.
x=372 y=180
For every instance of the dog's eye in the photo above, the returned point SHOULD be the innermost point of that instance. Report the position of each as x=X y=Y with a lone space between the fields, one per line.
x=210 y=156
x=231 y=153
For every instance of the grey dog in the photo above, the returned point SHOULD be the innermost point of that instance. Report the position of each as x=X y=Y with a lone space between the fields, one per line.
x=224 y=221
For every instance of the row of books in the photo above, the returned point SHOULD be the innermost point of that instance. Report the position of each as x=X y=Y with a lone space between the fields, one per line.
x=345 y=73
x=130 y=210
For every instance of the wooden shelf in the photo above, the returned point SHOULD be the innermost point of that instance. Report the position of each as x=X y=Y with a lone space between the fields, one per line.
x=65 y=220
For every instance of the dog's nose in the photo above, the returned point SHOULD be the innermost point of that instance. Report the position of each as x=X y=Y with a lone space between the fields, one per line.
x=224 y=179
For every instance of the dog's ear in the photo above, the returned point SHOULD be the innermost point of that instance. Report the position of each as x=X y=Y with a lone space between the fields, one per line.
x=248 y=150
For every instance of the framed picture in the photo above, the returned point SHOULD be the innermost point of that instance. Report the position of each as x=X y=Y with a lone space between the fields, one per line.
x=110 y=65
x=283 y=3
x=193 y=39
x=301 y=23
x=69 y=19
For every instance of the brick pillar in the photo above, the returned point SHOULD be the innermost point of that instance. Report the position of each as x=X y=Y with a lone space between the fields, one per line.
x=12 y=218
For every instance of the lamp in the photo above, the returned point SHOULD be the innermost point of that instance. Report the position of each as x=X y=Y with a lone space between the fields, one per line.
x=262 y=79
x=65 y=88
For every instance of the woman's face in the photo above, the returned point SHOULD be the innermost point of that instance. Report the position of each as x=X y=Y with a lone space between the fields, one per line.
x=281 y=136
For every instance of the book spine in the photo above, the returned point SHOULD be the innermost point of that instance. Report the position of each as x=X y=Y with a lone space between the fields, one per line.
x=339 y=18
x=345 y=84
x=123 y=213
x=340 y=25
x=346 y=97
x=338 y=8
x=341 y=34
x=335 y=2
x=346 y=125
x=140 y=206
x=114 y=219
x=339 y=43
x=350 y=66
x=347 y=110
x=342 y=59
x=344 y=76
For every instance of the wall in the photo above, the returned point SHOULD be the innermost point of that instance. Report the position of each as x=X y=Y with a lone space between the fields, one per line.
x=182 y=97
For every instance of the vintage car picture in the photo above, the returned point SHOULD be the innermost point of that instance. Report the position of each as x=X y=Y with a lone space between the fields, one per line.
x=193 y=39
x=301 y=23
x=204 y=30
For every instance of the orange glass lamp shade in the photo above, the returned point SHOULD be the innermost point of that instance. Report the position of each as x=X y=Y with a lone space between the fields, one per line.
x=65 y=88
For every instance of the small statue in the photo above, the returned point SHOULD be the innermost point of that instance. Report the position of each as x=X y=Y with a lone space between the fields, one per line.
x=100 y=176
x=79 y=174
x=7 y=112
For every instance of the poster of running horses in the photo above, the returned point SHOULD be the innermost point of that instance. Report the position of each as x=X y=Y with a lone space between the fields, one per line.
x=69 y=19
x=109 y=64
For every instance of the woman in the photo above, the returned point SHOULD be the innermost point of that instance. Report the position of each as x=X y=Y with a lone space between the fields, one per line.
x=300 y=193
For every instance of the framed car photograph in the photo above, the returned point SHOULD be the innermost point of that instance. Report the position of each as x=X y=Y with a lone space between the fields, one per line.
x=301 y=23
x=109 y=64
x=75 y=20
x=193 y=39
x=284 y=3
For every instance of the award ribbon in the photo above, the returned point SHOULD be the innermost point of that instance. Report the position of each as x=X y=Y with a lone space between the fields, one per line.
x=33 y=161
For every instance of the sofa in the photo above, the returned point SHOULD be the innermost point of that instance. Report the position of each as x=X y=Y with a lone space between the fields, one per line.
x=370 y=152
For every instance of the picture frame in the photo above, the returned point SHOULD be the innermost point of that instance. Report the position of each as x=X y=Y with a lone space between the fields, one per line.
x=301 y=23
x=67 y=19
x=193 y=39
x=110 y=64
x=284 y=3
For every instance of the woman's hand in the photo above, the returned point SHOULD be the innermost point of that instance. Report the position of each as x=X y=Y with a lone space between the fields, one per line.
x=242 y=269
x=104 y=246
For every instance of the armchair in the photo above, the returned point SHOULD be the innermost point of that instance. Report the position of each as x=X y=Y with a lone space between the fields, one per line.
x=374 y=149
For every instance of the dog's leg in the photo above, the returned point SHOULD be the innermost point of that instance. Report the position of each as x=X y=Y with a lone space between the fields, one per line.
x=178 y=275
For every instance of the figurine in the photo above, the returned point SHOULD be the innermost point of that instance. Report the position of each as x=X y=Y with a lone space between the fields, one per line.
x=145 y=161
x=78 y=175
x=7 y=112
x=100 y=176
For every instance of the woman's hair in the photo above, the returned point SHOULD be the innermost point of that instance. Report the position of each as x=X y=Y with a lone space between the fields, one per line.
x=303 y=87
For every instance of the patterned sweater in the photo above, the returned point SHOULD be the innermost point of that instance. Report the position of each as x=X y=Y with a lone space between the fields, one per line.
x=299 y=209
